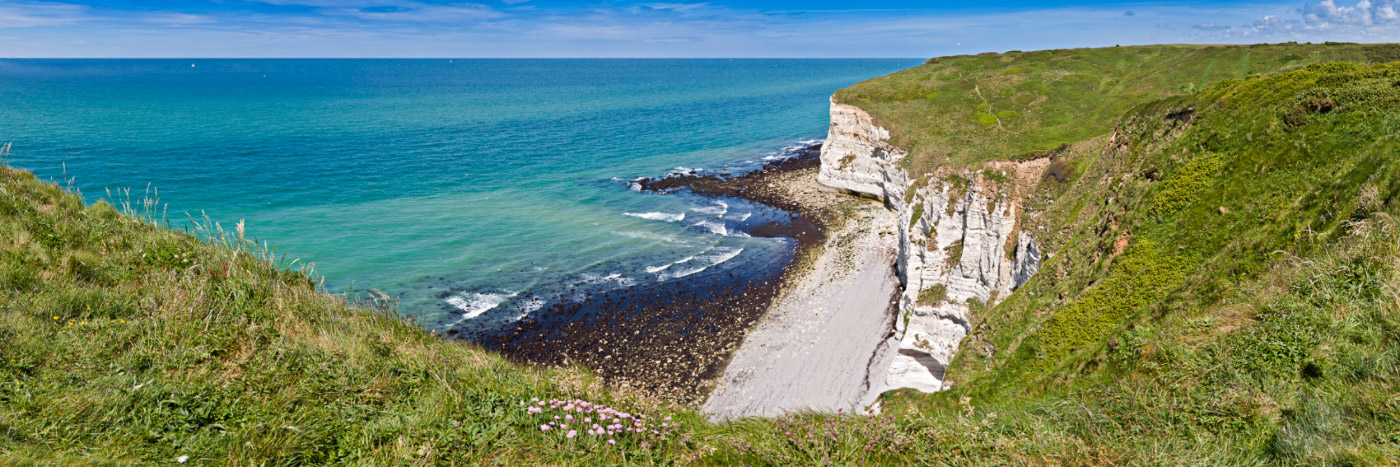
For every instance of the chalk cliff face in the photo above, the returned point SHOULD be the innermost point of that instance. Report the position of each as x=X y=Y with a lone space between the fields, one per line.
x=965 y=243
x=857 y=157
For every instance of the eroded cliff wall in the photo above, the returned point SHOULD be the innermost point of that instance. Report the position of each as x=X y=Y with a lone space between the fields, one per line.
x=959 y=238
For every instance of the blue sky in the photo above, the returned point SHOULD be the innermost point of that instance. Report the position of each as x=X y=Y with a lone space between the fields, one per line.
x=720 y=28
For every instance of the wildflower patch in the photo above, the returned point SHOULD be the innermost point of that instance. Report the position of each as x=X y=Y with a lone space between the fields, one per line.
x=595 y=423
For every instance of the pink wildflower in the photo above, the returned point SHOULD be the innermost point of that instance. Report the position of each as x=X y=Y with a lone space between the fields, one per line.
x=612 y=441
x=571 y=434
x=533 y=410
x=544 y=427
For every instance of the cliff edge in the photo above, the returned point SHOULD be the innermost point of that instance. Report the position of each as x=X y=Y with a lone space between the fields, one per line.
x=959 y=239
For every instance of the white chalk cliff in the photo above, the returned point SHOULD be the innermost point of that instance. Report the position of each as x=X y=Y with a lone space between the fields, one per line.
x=965 y=244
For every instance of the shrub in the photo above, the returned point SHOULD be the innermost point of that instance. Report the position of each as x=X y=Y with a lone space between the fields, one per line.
x=1180 y=189
x=933 y=295
x=1141 y=276
x=1059 y=170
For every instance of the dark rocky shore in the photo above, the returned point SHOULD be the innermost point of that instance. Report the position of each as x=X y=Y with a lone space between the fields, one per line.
x=673 y=339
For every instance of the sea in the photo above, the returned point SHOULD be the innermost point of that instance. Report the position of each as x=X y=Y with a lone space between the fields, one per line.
x=473 y=192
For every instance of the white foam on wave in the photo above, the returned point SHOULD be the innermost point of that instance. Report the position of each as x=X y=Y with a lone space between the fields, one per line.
x=618 y=278
x=656 y=269
x=725 y=254
x=657 y=216
x=719 y=208
x=715 y=227
x=745 y=216
x=648 y=236
x=719 y=228
x=473 y=305
x=703 y=262
x=531 y=306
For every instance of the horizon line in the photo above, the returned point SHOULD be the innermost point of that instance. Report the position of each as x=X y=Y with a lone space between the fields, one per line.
x=464 y=58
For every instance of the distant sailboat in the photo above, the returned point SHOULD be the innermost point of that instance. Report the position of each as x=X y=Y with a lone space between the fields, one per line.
x=191 y=65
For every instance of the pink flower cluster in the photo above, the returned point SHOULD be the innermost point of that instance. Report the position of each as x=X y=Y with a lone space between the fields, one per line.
x=610 y=423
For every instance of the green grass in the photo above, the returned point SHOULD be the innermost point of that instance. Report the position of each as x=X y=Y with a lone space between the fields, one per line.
x=964 y=110
x=1252 y=318
x=124 y=342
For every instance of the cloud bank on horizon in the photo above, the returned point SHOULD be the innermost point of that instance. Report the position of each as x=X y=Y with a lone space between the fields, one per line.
x=563 y=28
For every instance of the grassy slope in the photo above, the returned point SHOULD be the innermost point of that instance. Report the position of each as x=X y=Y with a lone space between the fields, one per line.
x=1251 y=319
x=1213 y=291
x=123 y=341
x=968 y=109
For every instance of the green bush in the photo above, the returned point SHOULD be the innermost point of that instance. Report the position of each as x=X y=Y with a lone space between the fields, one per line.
x=1181 y=188
x=1141 y=277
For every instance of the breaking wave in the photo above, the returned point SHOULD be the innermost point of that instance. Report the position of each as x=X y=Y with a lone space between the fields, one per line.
x=475 y=304
x=657 y=216
x=689 y=266
x=719 y=208
x=719 y=228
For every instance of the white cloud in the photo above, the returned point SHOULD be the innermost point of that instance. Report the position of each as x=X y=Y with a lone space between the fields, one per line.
x=178 y=19
x=1364 y=13
x=24 y=14
x=419 y=12
x=679 y=28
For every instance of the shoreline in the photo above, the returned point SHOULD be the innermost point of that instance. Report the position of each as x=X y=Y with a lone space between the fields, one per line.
x=674 y=340
x=821 y=347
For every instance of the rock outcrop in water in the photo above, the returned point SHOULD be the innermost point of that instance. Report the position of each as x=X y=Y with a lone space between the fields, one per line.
x=959 y=238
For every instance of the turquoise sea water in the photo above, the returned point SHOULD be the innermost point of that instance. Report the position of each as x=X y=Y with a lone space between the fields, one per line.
x=472 y=190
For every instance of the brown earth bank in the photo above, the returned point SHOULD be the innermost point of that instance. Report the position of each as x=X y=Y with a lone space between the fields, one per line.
x=673 y=339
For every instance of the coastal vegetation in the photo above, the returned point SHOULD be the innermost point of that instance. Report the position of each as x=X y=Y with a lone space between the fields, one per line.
x=964 y=110
x=1224 y=290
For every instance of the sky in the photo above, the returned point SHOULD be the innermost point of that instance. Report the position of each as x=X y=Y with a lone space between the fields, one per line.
x=719 y=28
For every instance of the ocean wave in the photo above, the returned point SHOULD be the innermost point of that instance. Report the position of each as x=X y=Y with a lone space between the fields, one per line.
x=657 y=216
x=715 y=227
x=473 y=305
x=745 y=216
x=621 y=280
x=656 y=269
x=649 y=236
x=726 y=255
x=707 y=261
x=531 y=306
x=719 y=228
x=718 y=209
